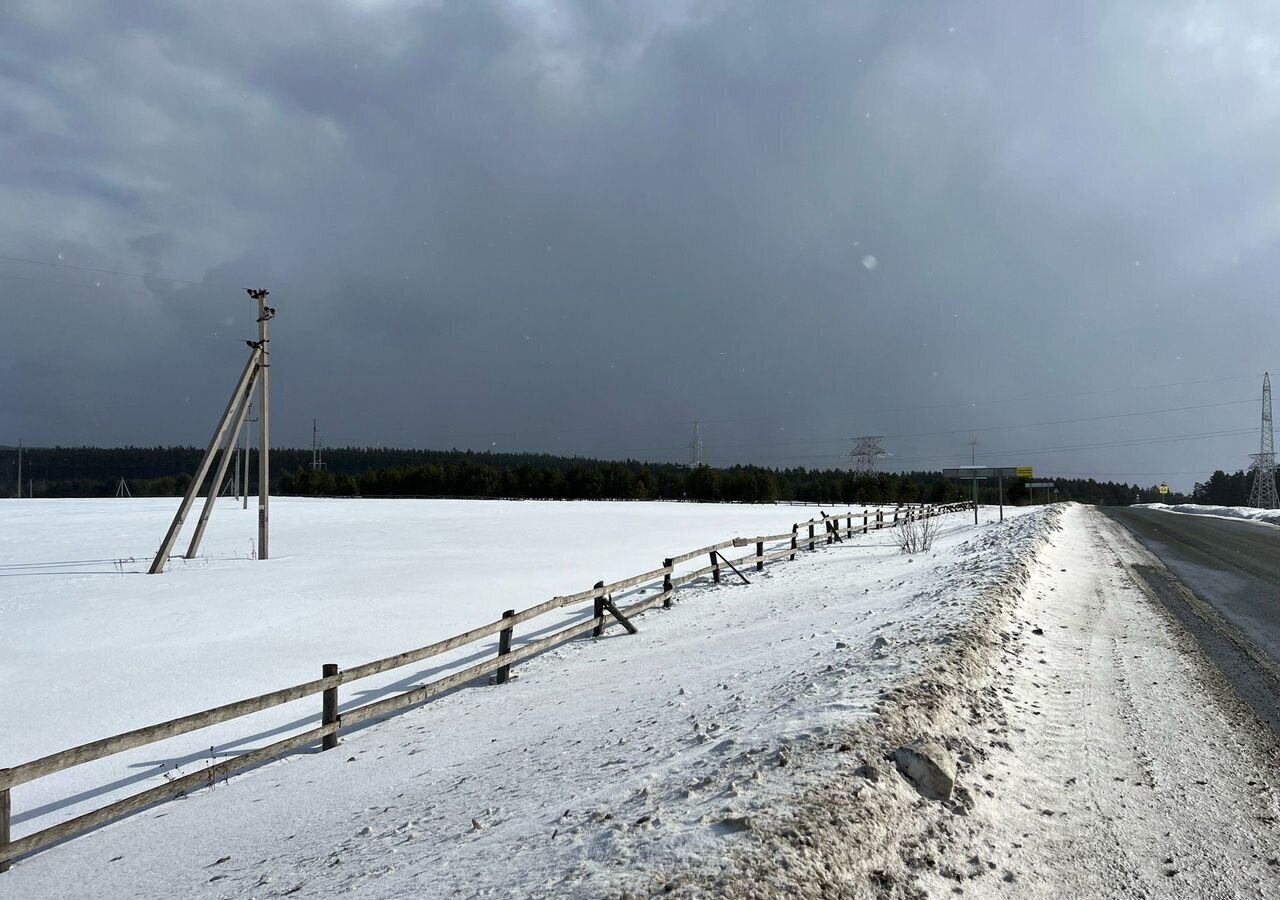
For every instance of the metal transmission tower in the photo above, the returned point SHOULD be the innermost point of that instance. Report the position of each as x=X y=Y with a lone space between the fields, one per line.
x=695 y=448
x=866 y=450
x=1262 y=495
x=317 y=454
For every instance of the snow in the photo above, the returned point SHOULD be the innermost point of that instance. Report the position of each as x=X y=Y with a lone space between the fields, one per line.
x=602 y=759
x=92 y=647
x=1266 y=516
x=1099 y=755
x=1133 y=768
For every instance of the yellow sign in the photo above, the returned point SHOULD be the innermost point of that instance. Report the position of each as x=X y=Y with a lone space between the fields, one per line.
x=1025 y=472
x=1164 y=488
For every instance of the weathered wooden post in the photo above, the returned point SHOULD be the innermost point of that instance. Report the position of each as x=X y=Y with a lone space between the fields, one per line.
x=329 y=707
x=6 y=812
x=879 y=519
x=849 y=530
x=715 y=562
x=864 y=521
x=599 y=613
x=504 y=647
x=793 y=542
x=759 y=556
x=666 y=584
x=811 y=535
x=895 y=513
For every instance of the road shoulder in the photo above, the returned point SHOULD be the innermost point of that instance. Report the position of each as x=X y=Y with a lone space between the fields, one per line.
x=1099 y=754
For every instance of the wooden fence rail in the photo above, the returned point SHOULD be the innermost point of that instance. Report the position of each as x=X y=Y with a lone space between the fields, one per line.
x=332 y=721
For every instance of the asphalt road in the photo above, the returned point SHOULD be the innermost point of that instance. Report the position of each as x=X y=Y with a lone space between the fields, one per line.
x=1233 y=568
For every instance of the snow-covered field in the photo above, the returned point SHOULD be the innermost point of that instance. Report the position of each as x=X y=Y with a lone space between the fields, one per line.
x=738 y=746
x=90 y=646
x=683 y=723
x=1269 y=516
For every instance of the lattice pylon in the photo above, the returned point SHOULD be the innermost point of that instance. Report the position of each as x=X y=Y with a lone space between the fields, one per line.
x=695 y=447
x=1262 y=494
x=866 y=450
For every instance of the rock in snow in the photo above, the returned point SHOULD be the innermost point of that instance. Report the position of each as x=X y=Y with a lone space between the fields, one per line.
x=929 y=766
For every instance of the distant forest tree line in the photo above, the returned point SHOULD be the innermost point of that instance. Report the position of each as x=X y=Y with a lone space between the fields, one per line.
x=379 y=472
x=1223 y=490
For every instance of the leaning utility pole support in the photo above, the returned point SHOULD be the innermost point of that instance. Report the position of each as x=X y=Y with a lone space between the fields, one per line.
x=228 y=453
x=166 y=547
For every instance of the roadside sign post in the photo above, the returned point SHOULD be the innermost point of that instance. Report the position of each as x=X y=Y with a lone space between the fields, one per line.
x=974 y=474
x=1040 y=484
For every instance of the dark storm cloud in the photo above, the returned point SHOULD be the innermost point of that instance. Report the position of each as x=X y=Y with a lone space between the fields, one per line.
x=579 y=226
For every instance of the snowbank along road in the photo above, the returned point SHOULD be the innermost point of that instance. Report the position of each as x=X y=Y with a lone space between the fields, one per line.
x=1099 y=755
x=741 y=745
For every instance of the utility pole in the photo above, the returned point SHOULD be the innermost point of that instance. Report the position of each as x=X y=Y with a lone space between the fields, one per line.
x=316 y=461
x=1262 y=494
x=265 y=314
x=248 y=419
x=256 y=368
x=973 y=460
x=695 y=447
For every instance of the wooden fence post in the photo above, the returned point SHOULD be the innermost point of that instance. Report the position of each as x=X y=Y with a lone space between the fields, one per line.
x=879 y=519
x=329 y=707
x=759 y=556
x=793 y=541
x=599 y=613
x=5 y=813
x=504 y=647
x=715 y=561
x=864 y=521
x=810 y=535
x=666 y=584
x=849 y=530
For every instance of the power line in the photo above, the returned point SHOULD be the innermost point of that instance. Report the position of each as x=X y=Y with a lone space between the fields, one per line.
x=43 y=280
x=842 y=440
x=1002 y=399
x=1159 y=472
x=66 y=265
x=1025 y=451
x=1128 y=415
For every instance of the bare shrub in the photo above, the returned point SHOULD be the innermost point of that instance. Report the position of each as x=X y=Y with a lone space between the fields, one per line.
x=916 y=534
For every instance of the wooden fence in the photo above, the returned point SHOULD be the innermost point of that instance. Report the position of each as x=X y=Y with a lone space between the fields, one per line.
x=604 y=613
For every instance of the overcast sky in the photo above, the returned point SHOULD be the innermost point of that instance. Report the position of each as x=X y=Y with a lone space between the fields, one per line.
x=579 y=227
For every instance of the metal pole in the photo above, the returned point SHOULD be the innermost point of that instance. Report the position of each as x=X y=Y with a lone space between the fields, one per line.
x=19 y=468
x=1001 y=476
x=973 y=460
x=264 y=420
